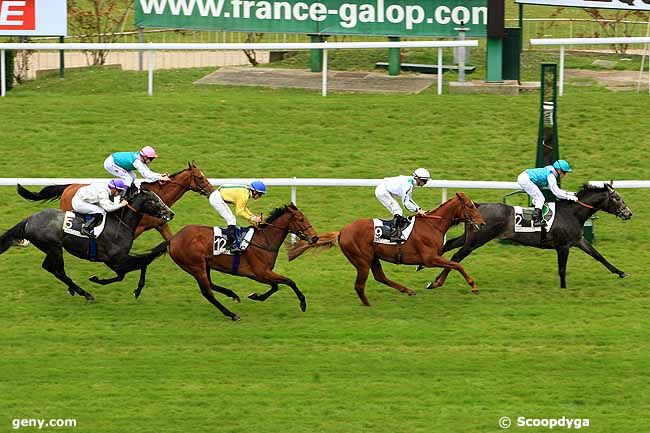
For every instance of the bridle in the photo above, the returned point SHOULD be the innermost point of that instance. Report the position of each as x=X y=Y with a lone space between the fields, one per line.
x=198 y=188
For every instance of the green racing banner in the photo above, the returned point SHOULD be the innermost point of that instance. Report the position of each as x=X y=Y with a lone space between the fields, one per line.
x=328 y=17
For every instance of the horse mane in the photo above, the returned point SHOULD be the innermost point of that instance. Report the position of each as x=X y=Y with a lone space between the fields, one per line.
x=592 y=188
x=275 y=213
x=279 y=211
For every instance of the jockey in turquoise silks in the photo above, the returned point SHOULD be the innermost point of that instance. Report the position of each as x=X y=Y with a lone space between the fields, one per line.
x=545 y=177
x=122 y=165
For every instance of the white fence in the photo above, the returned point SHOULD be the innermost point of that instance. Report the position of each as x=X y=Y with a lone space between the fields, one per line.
x=151 y=47
x=294 y=183
x=591 y=41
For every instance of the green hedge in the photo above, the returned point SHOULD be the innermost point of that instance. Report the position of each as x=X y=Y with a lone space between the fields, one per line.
x=9 y=69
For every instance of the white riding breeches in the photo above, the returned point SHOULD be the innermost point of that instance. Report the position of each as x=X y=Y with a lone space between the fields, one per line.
x=222 y=208
x=533 y=190
x=387 y=200
x=86 y=208
x=127 y=176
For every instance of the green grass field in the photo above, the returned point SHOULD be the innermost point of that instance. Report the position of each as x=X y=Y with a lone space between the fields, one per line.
x=442 y=361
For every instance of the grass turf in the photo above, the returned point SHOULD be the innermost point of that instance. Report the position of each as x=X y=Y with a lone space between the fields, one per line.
x=442 y=361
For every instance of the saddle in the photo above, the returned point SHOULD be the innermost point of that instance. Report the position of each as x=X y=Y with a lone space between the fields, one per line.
x=384 y=228
x=73 y=221
x=243 y=238
x=524 y=218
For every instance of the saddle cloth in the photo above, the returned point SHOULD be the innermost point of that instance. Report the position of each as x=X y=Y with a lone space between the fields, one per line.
x=524 y=218
x=244 y=236
x=384 y=227
x=72 y=223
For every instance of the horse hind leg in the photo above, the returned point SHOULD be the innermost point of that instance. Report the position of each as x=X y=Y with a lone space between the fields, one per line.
x=360 y=284
x=378 y=274
x=53 y=263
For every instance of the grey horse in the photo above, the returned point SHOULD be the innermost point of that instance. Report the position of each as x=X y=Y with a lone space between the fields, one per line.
x=45 y=230
x=565 y=233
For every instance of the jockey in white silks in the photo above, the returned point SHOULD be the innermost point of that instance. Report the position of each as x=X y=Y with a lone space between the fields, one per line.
x=122 y=165
x=402 y=188
x=97 y=199
x=532 y=179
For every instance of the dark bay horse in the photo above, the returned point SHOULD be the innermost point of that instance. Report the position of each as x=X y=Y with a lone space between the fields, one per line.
x=566 y=231
x=45 y=230
x=189 y=179
x=424 y=245
x=192 y=250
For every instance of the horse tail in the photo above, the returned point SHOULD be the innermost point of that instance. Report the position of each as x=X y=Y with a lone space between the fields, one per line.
x=325 y=242
x=15 y=233
x=153 y=254
x=51 y=192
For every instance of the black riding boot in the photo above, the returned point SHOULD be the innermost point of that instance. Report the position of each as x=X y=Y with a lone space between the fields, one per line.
x=538 y=220
x=231 y=241
x=88 y=226
x=396 y=232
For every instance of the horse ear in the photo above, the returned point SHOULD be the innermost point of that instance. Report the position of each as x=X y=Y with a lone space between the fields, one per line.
x=189 y=165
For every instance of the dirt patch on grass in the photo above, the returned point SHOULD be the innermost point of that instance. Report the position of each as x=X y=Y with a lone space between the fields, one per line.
x=617 y=81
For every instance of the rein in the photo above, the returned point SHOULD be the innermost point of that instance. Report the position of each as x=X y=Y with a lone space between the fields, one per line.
x=585 y=205
x=274 y=250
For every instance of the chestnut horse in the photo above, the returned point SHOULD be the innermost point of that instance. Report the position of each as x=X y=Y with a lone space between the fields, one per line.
x=424 y=245
x=189 y=179
x=192 y=250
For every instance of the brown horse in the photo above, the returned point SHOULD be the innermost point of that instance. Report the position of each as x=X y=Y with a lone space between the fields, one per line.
x=424 y=245
x=192 y=250
x=189 y=179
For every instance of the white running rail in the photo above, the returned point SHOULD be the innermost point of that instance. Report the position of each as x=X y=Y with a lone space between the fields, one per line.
x=151 y=47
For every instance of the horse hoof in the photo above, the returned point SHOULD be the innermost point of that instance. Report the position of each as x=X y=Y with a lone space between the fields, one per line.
x=94 y=279
x=90 y=298
x=303 y=306
x=253 y=296
x=475 y=291
x=623 y=275
x=237 y=300
x=235 y=318
x=71 y=291
x=411 y=293
x=419 y=268
x=23 y=243
x=429 y=285
x=136 y=293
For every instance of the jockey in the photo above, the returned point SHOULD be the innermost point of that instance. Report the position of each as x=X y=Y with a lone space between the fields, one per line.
x=97 y=199
x=239 y=196
x=532 y=179
x=402 y=187
x=122 y=164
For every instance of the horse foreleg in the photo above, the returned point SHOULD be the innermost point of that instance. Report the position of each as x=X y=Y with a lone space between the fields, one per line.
x=53 y=263
x=449 y=245
x=441 y=262
x=378 y=274
x=165 y=231
x=206 y=290
x=264 y=296
x=270 y=277
x=562 y=258
x=585 y=246
x=458 y=257
x=226 y=291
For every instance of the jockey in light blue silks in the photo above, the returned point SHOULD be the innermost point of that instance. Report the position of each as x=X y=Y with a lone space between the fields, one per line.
x=532 y=179
x=402 y=187
x=122 y=164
